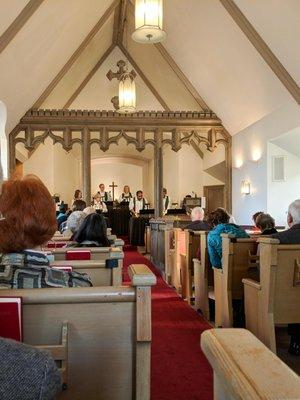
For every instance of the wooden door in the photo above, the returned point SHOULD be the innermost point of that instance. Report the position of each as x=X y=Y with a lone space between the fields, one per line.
x=214 y=197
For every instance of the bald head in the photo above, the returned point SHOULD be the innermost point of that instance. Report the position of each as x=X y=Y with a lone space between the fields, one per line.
x=197 y=214
x=293 y=217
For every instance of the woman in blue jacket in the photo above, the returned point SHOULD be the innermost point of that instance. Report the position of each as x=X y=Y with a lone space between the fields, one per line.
x=219 y=219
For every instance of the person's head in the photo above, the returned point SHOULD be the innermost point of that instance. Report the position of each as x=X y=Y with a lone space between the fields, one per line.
x=75 y=220
x=293 y=216
x=62 y=208
x=164 y=192
x=264 y=221
x=79 y=205
x=78 y=194
x=219 y=216
x=97 y=198
x=89 y=210
x=102 y=187
x=28 y=213
x=139 y=194
x=197 y=214
x=254 y=216
x=126 y=189
x=93 y=228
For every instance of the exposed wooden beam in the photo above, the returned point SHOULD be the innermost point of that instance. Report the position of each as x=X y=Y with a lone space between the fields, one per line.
x=263 y=49
x=122 y=21
x=182 y=77
x=18 y=23
x=76 y=54
x=197 y=149
x=144 y=78
x=116 y=23
x=89 y=76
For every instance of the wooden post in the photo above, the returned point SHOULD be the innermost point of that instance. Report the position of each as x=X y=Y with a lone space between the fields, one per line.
x=158 y=175
x=86 y=165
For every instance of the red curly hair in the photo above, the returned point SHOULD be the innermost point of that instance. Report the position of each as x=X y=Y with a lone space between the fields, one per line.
x=29 y=214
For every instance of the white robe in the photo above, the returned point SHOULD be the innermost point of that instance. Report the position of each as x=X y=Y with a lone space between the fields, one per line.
x=138 y=204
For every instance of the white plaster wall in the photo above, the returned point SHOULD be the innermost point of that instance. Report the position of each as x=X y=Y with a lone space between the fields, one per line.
x=249 y=144
x=281 y=194
x=171 y=173
x=190 y=172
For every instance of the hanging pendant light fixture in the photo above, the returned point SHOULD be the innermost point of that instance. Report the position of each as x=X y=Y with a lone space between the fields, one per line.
x=148 y=21
x=127 y=97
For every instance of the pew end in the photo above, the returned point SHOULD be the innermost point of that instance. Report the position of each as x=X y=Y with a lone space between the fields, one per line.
x=244 y=368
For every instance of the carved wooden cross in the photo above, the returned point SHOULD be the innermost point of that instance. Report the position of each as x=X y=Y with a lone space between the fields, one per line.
x=113 y=186
x=122 y=69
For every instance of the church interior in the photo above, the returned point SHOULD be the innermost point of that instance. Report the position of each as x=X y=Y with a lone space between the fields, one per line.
x=149 y=200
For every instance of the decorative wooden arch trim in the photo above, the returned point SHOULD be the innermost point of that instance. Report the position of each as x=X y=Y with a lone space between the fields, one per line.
x=156 y=128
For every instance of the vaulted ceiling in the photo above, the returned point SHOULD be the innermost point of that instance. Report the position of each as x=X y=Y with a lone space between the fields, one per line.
x=241 y=59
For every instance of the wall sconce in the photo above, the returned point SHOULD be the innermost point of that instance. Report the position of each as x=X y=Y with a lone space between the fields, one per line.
x=245 y=187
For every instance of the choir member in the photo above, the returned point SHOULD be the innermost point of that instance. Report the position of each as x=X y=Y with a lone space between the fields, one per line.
x=138 y=203
x=166 y=201
x=126 y=196
x=99 y=203
x=105 y=196
x=77 y=196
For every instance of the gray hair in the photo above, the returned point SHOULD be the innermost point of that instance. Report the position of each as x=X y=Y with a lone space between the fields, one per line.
x=294 y=211
x=75 y=220
x=197 y=214
x=89 y=210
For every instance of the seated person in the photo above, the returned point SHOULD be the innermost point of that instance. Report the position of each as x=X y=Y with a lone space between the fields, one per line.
x=219 y=220
x=254 y=216
x=197 y=217
x=126 y=196
x=28 y=222
x=92 y=232
x=99 y=204
x=62 y=215
x=89 y=210
x=266 y=224
x=138 y=203
x=79 y=205
x=292 y=236
x=74 y=222
x=27 y=373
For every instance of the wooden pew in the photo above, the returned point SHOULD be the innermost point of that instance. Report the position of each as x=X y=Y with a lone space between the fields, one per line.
x=169 y=254
x=203 y=278
x=100 y=273
x=191 y=248
x=246 y=369
x=275 y=299
x=97 y=253
x=109 y=335
x=228 y=284
x=179 y=249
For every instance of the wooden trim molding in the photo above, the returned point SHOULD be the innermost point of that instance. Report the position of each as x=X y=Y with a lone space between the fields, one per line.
x=263 y=49
x=76 y=54
x=89 y=76
x=18 y=23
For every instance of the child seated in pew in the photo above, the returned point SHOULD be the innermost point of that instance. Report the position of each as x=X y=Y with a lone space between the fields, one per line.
x=219 y=220
x=266 y=224
x=92 y=232
x=27 y=223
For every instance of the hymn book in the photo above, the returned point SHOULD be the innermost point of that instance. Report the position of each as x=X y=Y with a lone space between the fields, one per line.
x=11 y=318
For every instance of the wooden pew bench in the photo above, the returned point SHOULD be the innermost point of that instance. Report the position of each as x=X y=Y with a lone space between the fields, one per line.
x=179 y=250
x=244 y=368
x=100 y=273
x=109 y=335
x=169 y=254
x=275 y=298
x=228 y=285
x=97 y=253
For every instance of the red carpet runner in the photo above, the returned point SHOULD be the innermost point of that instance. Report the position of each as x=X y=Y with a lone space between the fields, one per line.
x=180 y=371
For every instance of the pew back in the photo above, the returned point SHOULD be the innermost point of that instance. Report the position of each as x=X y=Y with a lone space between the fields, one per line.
x=245 y=369
x=109 y=335
x=97 y=253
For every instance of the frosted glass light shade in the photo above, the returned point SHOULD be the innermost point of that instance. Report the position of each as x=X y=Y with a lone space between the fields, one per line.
x=127 y=97
x=245 y=187
x=148 y=21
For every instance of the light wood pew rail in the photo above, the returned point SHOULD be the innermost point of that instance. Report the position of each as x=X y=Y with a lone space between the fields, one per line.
x=179 y=249
x=203 y=278
x=96 y=269
x=169 y=254
x=275 y=298
x=97 y=253
x=244 y=368
x=109 y=335
x=228 y=280
x=60 y=353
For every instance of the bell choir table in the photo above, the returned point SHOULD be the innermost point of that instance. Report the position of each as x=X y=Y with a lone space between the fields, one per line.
x=137 y=228
x=158 y=230
x=118 y=218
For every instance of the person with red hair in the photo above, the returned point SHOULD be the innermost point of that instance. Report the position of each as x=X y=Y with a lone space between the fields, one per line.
x=27 y=222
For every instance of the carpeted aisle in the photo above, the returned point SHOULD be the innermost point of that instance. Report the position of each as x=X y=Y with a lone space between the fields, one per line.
x=179 y=369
